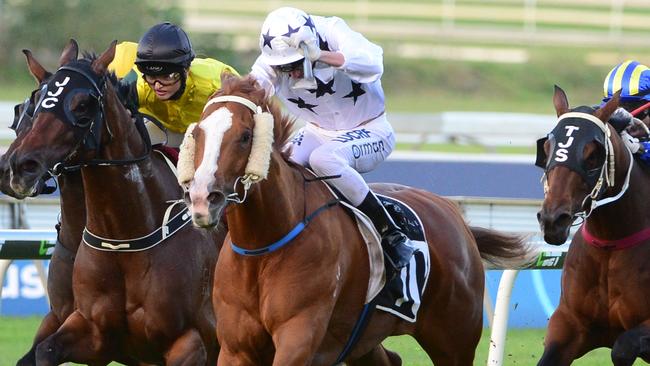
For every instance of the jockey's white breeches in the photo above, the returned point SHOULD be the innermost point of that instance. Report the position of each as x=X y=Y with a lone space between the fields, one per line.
x=345 y=152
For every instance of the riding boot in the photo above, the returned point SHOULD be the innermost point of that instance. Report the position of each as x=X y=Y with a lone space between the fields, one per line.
x=396 y=245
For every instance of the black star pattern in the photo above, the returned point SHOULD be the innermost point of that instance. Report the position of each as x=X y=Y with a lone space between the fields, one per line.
x=291 y=31
x=322 y=88
x=322 y=44
x=309 y=23
x=303 y=105
x=357 y=91
x=267 y=39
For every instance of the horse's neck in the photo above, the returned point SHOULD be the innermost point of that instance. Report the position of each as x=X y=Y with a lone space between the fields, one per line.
x=628 y=214
x=273 y=207
x=127 y=200
x=73 y=209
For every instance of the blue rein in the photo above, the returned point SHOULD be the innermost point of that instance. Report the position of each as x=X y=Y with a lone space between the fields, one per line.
x=285 y=239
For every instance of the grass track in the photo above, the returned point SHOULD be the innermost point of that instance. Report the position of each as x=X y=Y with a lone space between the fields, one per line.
x=523 y=347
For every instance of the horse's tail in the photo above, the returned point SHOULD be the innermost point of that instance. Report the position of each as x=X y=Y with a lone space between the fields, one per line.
x=502 y=250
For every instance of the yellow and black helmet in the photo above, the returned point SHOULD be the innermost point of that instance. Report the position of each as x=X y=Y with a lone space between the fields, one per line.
x=163 y=49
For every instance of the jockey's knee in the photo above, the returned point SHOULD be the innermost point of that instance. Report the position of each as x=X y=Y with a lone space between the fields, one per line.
x=325 y=163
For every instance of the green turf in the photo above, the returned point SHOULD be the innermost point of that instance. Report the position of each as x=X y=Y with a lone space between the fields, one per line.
x=523 y=346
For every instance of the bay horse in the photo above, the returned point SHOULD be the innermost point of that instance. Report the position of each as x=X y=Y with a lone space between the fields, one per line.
x=298 y=305
x=590 y=174
x=142 y=291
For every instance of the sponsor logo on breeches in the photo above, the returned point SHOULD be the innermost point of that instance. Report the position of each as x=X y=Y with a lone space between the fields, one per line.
x=367 y=148
x=353 y=135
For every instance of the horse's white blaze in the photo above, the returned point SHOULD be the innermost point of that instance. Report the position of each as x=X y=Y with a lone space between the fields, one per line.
x=214 y=127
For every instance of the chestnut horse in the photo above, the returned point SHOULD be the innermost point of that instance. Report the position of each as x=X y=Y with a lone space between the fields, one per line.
x=298 y=305
x=590 y=174
x=146 y=298
x=71 y=221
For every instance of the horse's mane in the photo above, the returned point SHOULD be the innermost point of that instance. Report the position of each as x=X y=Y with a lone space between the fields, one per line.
x=248 y=88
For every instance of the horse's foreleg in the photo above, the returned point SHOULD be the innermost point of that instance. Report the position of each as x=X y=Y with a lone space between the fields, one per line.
x=296 y=341
x=49 y=325
x=187 y=350
x=77 y=340
x=632 y=344
x=565 y=340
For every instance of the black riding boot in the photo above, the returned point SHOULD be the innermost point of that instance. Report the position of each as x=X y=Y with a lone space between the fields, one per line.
x=393 y=241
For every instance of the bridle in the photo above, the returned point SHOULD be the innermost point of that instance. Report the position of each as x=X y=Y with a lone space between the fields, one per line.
x=605 y=179
x=89 y=129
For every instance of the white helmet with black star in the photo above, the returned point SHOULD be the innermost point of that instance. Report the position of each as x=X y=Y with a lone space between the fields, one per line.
x=281 y=25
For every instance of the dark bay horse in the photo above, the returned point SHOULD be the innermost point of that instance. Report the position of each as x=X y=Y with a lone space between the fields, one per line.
x=72 y=219
x=142 y=292
x=590 y=174
x=298 y=305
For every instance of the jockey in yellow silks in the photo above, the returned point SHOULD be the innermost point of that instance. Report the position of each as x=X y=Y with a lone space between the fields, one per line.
x=161 y=78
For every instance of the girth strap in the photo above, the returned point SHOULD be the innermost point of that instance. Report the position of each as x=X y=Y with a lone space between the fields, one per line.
x=139 y=244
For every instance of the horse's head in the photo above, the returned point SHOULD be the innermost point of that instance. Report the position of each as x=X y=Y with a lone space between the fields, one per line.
x=22 y=122
x=229 y=149
x=578 y=162
x=67 y=113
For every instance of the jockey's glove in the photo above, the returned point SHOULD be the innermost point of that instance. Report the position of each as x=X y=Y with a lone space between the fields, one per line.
x=620 y=119
x=308 y=38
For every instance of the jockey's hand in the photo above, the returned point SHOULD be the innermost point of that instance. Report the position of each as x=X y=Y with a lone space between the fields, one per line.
x=620 y=119
x=632 y=143
x=306 y=36
x=638 y=129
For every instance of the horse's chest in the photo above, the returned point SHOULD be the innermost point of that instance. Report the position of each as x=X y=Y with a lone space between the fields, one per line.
x=612 y=295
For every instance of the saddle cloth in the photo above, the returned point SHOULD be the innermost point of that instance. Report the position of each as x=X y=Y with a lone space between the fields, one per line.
x=402 y=295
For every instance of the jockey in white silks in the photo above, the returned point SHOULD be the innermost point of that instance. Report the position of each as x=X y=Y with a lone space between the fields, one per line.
x=347 y=132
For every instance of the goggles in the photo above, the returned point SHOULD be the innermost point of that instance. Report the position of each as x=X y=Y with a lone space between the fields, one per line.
x=164 y=80
x=289 y=67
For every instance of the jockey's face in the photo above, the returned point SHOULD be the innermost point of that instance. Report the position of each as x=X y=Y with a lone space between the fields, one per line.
x=165 y=86
x=294 y=69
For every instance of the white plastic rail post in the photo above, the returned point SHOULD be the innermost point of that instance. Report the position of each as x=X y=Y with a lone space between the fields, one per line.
x=500 y=321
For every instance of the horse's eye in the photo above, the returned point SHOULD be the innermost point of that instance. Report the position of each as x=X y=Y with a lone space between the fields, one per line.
x=595 y=160
x=246 y=137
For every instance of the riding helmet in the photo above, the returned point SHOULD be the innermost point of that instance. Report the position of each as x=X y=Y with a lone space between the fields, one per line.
x=280 y=23
x=631 y=78
x=163 y=49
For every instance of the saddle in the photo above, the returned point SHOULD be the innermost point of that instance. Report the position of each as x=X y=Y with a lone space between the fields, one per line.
x=401 y=296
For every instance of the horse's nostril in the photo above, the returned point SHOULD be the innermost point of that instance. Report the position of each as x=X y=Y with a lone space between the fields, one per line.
x=30 y=166
x=563 y=218
x=215 y=196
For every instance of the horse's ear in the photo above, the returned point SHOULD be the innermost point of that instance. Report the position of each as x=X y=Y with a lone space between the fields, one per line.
x=259 y=93
x=38 y=72
x=70 y=52
x=226 y=76
x=101 y=64
x=603 y=113
x=560 y=101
